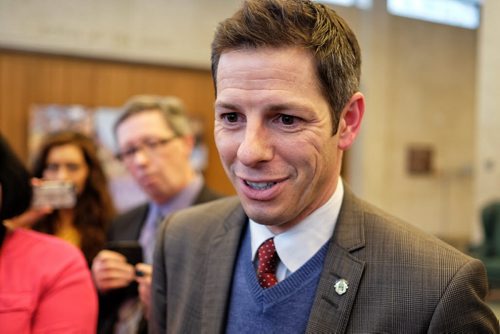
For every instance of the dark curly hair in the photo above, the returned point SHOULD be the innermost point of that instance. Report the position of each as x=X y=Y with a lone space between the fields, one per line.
x=94 y=207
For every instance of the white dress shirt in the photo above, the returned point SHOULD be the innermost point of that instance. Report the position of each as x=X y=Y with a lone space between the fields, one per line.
x=299 y=244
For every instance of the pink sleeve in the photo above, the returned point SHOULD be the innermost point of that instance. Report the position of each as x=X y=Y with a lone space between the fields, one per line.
x=69 y=302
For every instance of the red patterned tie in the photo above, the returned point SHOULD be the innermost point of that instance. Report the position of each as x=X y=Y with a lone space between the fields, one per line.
x=268 y=261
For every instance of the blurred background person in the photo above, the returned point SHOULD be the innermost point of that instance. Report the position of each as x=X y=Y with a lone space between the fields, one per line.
x=72 y=157
x=155 y=142
x=45 y=285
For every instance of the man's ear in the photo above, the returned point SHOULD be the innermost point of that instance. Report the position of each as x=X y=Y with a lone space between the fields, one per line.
x=350 y=120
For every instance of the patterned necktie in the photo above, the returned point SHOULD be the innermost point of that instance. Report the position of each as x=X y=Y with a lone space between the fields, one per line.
x=268 y=261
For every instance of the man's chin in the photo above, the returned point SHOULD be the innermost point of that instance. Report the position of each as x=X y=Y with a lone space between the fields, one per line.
x=262 y=215
x=155 y=195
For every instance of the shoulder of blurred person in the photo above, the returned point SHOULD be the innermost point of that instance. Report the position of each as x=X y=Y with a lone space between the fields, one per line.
x=49 y=280
x=127 y=225
x=206 y=195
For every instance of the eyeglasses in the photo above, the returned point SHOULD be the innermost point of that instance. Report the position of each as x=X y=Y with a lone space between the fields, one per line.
x=148 y=146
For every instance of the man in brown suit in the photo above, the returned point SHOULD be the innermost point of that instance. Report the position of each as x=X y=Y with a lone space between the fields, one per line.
x=296 y=251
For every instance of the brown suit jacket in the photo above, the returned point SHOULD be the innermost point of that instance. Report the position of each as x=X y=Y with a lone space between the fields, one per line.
x=400 y=279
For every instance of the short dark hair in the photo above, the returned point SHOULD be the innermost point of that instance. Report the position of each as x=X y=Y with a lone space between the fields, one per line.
x=15 y=181
x=306 y=24
x=171 y=108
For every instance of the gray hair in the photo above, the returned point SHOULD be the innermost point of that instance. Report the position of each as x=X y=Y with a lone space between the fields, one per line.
x=170 y=107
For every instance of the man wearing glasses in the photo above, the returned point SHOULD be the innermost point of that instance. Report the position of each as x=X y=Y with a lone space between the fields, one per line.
x=155 y=143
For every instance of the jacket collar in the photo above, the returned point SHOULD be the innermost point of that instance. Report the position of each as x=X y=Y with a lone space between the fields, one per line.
x=331 y=310
x=223 y=248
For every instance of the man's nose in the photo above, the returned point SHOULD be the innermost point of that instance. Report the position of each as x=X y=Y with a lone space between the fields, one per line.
x=140 y=157
x=256 y=145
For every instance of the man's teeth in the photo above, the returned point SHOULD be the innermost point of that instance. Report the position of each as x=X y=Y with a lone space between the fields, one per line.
x=260 y=185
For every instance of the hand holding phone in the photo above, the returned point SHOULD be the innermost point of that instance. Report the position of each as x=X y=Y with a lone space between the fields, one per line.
x=111 y=271
x=54 y=194
x=131 y=249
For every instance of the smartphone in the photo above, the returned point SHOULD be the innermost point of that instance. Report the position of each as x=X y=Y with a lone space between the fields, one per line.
x=131 y=249
x=54 y=194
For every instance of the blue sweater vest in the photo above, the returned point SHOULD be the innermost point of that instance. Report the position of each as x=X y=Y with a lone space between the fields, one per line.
x=284 y=308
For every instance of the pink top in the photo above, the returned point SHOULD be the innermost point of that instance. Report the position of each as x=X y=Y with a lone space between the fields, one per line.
x=45 y=286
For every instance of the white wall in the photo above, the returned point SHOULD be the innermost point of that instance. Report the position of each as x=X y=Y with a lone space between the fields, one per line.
x=419 y=80
x=487 y=164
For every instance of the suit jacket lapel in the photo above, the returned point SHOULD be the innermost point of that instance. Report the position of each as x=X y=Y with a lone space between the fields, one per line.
x=128 y=226
x=223 y=251
x=205 y=195
x=142 y=214
x=331 y=310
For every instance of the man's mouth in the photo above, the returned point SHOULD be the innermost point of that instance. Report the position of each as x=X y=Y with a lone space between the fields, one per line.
x=260 y=185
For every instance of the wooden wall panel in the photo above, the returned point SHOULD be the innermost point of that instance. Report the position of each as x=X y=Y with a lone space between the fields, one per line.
x=13 y=93
x=27 y=79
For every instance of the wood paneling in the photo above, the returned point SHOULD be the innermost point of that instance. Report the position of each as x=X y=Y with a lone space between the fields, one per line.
x=27 y=79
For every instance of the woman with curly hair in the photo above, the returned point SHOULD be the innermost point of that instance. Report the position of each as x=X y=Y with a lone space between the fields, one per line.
x=72 y=156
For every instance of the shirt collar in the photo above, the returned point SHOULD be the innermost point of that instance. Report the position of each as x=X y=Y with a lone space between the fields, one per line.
x=311 y=234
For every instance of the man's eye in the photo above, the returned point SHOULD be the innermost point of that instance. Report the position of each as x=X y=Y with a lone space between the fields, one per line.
x=151 y=143
x=230 y=117
x=287 y=119
x=129 y=151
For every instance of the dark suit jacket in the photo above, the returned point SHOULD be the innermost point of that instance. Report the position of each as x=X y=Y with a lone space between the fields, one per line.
x=127 y=226
x=400 y=280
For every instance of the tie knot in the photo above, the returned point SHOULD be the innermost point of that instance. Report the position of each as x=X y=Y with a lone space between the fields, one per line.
x=268 y=261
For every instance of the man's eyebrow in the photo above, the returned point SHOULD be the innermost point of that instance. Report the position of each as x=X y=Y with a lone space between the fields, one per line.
x=274 y=108
x=225 y=105
x=284 y=106
x=290 y=106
